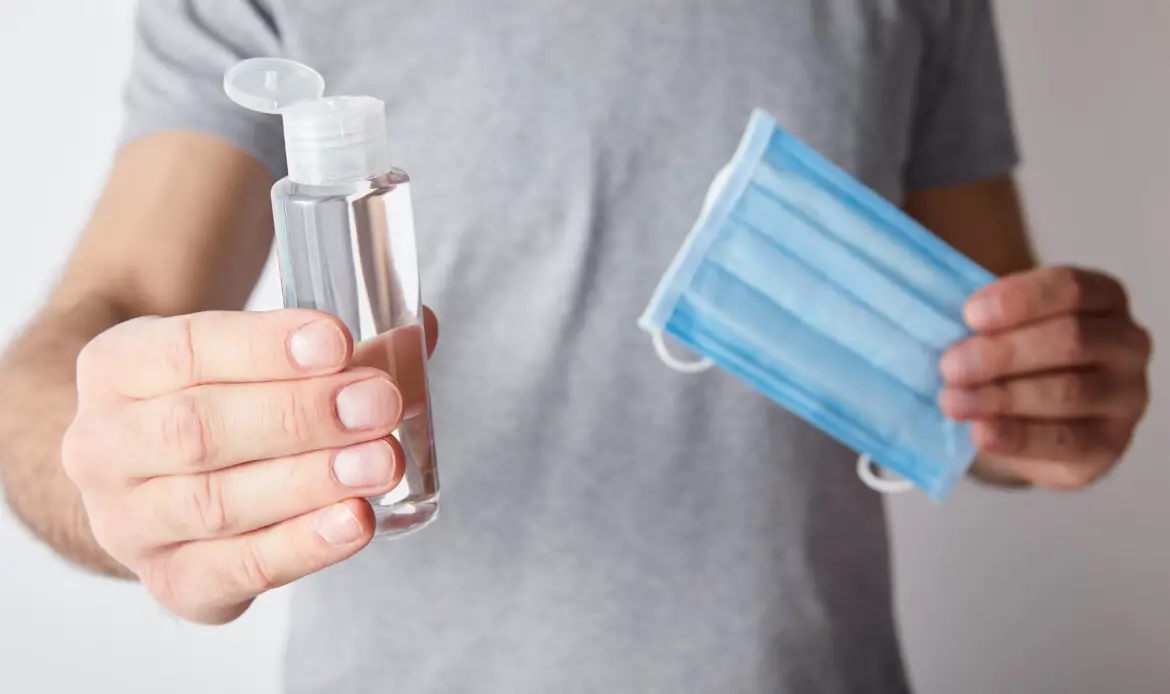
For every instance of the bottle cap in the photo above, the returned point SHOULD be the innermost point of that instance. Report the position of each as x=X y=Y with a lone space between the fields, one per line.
x=326 y=139
x=268 y=85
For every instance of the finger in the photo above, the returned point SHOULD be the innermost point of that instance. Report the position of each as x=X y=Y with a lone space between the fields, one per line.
x=213 y=427
x=1111 y=342
x=148 y=357
x=1092 y=442
x=214 y=580
x=1054 y=475
x=431 y=329
x=240 y=499
x=1043 y=293
x=403 y=352
x=1065 y=395
x=400 y=352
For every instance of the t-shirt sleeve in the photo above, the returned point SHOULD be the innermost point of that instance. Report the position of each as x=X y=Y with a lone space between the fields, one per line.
x=963 y=129
x=175 y=80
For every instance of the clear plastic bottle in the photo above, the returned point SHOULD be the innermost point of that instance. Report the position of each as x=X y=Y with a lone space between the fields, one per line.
x=346 y=245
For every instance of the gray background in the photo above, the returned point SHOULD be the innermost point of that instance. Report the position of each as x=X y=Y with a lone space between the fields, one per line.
x=997 y=592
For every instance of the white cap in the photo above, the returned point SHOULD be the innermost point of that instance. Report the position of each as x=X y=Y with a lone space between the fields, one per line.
x=326 y=140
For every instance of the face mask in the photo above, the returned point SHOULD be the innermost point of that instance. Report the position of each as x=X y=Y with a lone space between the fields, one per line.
x=826 y=298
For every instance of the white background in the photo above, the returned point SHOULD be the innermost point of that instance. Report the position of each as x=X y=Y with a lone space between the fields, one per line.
x=997 y=592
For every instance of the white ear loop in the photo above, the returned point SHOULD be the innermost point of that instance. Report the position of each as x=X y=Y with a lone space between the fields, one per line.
x=700 y=365
x=686 y=367
x=865 y=470
x=865 y=467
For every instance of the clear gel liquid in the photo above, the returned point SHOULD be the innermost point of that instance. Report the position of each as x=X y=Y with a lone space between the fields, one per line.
x=349 y=250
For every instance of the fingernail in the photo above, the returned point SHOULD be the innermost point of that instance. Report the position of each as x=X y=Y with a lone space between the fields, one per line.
x=370 y=404
x=982 y=312
x=959 y=364
x=338 y=526
x=367 y=465
x=318 y=345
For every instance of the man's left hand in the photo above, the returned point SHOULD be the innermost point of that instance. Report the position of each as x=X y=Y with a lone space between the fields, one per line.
x=1054 y=379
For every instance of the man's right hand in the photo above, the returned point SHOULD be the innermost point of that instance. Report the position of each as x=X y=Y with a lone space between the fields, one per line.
x=222 y=454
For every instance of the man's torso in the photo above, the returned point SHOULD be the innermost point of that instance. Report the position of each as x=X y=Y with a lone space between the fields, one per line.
x=607 y=524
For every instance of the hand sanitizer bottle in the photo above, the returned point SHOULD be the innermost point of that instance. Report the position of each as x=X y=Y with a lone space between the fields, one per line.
x=346 y=245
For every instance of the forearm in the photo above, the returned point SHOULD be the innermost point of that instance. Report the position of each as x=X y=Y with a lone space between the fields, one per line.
x=37 y=403
x=190 y=234
x=990 y=469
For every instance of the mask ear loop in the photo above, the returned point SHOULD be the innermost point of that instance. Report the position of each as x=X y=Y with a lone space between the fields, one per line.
x=865 y=466
x=865 y=470
x=686 y=367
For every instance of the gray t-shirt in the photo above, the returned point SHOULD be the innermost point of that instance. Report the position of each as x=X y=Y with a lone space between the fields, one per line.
x=608 y=525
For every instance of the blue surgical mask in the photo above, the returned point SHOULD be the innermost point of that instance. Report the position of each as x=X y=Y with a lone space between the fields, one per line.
x=820 y=294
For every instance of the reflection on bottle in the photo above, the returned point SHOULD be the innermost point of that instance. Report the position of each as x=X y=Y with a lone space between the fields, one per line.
x=401 y=352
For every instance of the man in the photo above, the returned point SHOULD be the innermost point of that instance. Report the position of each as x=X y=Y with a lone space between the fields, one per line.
x=607 y=526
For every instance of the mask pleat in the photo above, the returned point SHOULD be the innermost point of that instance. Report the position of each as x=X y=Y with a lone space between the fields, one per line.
x=898 y=278
x=922 y=262
x=824 y=305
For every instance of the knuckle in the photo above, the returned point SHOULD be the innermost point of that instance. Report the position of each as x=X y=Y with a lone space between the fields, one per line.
x=1068 y=390
x=175 y=589
x=83 y=450
x=1143 y=342
x=995 y=355
x=105 y=534
x=112 y=532
x=1068 y=286
x=1014 y=300
x=179 y=353
x=159 y=580
x=1071 y=339
x=250 y=571
x=266 y=341
x=1002 y=397
x=1005 y=438
x=1141 y=400
x=91 y=364
x=1083 y=443
x=207 y=506
x=184 y=432
x=299 y=414
x=1062 y=439
x=76 y=450
x=181 y=583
